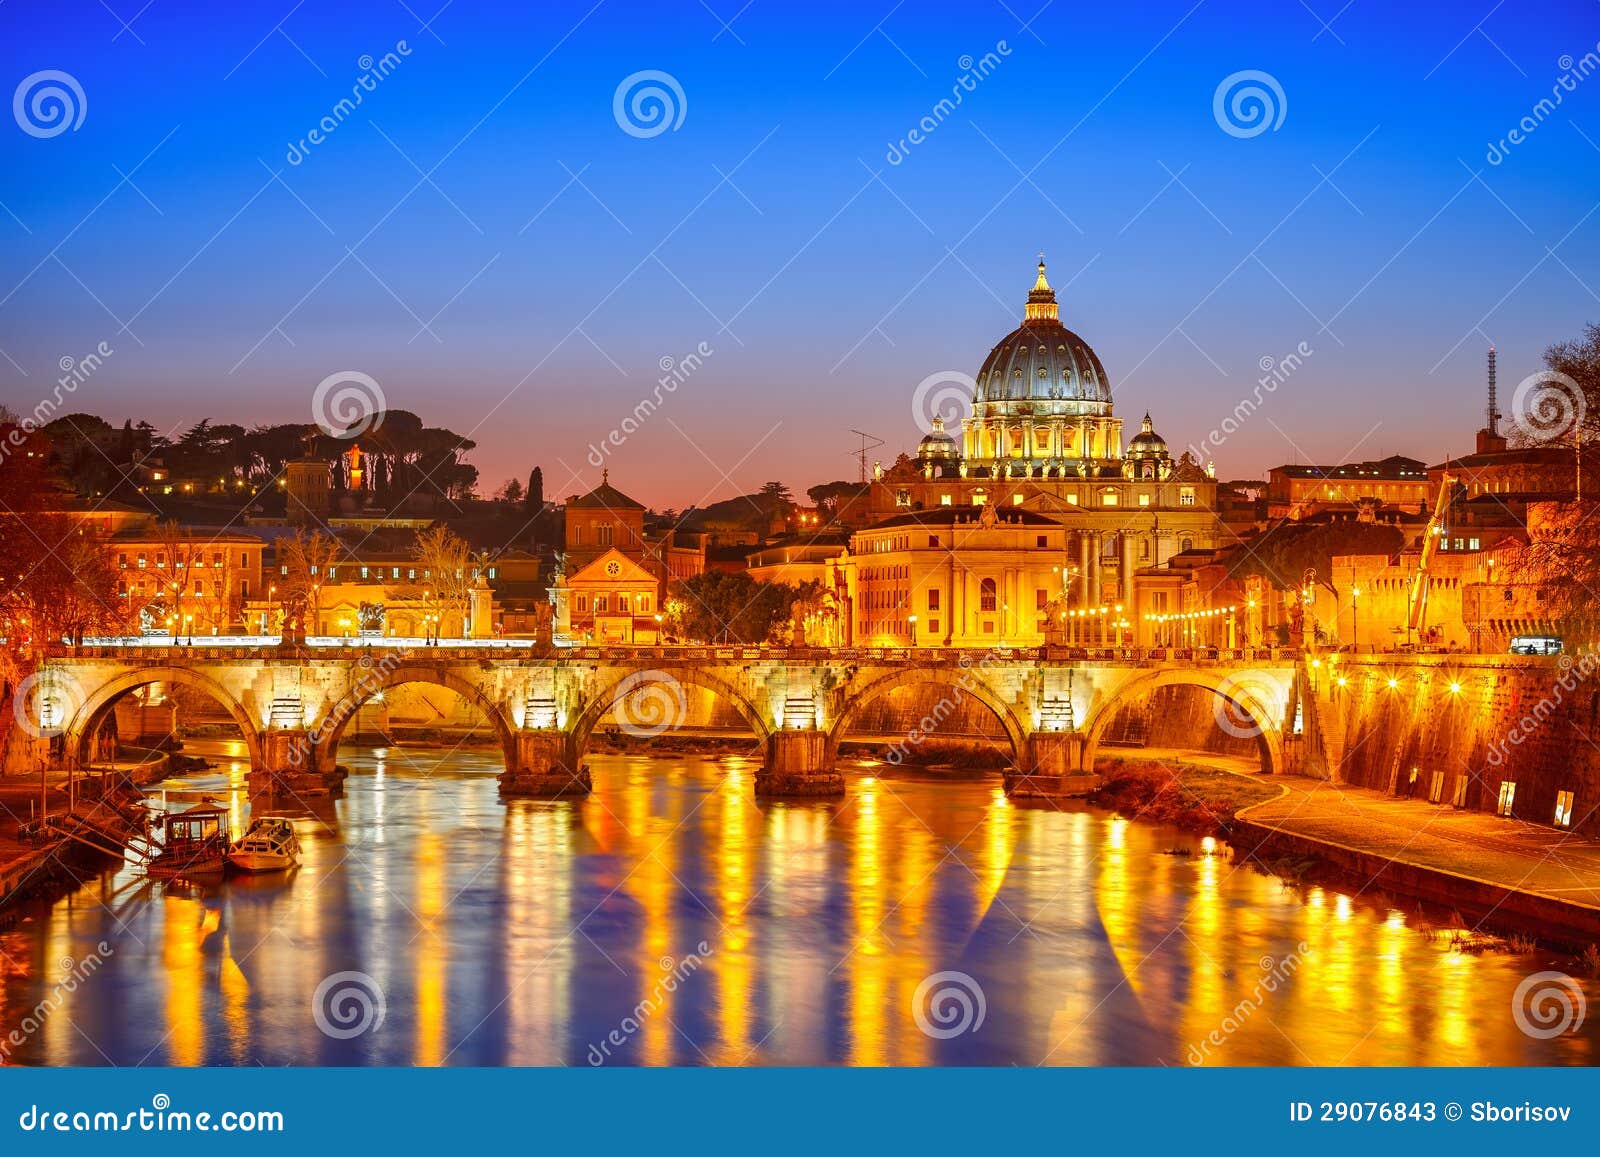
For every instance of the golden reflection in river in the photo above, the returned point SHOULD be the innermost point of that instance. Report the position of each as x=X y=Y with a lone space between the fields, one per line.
x=184 y=925
x=432 y=948
x=733 y=890
x=797 y=867
x=536 y=871
x=526 y=932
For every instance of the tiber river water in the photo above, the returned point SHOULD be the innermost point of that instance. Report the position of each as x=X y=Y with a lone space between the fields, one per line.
x=531 y=933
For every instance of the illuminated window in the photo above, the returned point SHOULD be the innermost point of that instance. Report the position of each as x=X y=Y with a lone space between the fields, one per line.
x=986 y=595
x=1508 y=794
x=1186 y=496
x=1016 y=500
x=1108 y=498
x=1144 y=500
x=944 y=500
x=1072 y=497
x=1563 y=809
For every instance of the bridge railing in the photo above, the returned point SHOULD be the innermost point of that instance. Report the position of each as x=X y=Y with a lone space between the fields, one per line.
x=526 y=650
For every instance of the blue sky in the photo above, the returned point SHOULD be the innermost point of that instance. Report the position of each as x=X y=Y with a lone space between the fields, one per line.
x=527 y=290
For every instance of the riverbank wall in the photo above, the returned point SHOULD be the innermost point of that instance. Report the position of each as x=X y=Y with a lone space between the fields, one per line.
x=1510 y=735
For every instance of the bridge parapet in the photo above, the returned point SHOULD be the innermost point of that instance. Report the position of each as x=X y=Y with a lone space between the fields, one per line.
x=1053 y=703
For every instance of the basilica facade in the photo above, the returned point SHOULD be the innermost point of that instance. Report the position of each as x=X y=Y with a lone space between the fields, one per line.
x=1042 y=439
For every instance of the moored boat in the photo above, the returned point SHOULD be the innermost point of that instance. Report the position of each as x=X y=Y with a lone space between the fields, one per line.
x=268 y=845
x=195 y=843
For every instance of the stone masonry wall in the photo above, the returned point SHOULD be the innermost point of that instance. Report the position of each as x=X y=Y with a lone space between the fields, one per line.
x=1531 y=722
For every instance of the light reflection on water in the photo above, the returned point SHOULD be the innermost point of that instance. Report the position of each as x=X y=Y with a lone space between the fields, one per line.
x=530 y=933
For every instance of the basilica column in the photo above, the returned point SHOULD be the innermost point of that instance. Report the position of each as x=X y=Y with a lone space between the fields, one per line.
x=1083 y=569
x=1127 y=574
x=1095 y=549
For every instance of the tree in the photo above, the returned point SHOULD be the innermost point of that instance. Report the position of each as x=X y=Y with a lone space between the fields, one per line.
x=718 y=607
x=1579 y=360
x=776 y=491
x=832 y=497
x=1561 y=559
x=1284 y=552
x=57 y=580
x=510 y=492
x=444 y=570
x=535 y=496
x=307 y=557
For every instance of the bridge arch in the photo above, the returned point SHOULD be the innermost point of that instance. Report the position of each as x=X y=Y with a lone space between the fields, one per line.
x=97 y=704
x=1245 y=692
x=605 y=697
x=1015 y=731
x=368 y=682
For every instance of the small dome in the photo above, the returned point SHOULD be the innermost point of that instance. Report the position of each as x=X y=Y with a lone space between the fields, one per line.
x=937 y=446
x=1147 y=442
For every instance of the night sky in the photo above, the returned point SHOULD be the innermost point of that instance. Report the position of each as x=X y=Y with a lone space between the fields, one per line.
x=484 y=239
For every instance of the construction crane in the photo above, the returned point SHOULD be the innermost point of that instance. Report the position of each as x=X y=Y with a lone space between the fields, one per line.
x=1417 y=619
x=868 y=442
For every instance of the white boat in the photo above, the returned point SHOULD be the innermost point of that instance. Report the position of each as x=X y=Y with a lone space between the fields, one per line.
x=268 y=845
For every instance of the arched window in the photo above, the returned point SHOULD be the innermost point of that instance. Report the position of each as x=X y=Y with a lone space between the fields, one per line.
x=986 y=595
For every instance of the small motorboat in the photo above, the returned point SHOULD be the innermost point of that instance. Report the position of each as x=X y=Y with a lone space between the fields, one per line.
x=195 y=843
x=268 y=845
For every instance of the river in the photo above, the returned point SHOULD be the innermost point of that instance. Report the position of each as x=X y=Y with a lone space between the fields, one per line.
x=670 y=919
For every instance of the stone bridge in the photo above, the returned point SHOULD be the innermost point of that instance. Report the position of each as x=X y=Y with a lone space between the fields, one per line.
x=292 y=704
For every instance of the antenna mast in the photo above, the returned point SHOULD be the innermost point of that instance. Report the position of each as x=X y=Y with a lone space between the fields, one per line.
x=1494 y=409
x=868 y=442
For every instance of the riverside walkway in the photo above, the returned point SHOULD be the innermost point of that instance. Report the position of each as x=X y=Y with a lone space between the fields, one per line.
x=1496 y=871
